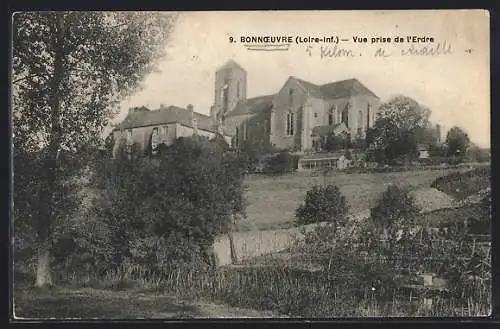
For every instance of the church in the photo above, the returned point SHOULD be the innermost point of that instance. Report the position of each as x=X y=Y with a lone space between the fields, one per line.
x=297 y=117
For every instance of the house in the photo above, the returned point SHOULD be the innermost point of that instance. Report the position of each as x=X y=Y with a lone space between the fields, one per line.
x=291 y=118
x=320 y=161
x=147 y=128
x=423 y=152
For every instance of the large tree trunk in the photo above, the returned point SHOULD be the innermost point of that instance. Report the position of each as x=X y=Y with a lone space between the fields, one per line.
x=46 y=213
x=43 y=275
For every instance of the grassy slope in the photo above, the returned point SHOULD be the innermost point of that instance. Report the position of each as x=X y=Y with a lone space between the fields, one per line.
x=273 y=200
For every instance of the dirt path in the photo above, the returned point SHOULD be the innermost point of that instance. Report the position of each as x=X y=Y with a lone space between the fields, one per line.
x=92 y=303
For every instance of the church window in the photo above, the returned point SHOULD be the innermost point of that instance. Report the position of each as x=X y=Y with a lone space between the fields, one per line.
x=315 y=115
x=290 y=124
x=129 y=136
x=360 y=121
x=368 y=116
x=225 y=98
x=331 y=115
x=345 y=115
x=238 y=89
x=290 y=96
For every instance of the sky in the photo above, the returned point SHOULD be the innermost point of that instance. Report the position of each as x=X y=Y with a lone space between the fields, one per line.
x=455 y=86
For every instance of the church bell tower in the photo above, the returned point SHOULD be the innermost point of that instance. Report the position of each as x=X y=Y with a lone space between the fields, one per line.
x=230 y=88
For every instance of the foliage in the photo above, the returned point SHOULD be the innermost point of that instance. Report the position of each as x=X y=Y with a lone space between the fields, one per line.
x=68 y=70
x=405 y=112
x=152 y=212
x=457 y=141
x=251 y=153
x=334 y=142
x=399 y=129
x=283 y=162
x=323 y=204
x=394 y=207
x=463 y=184
x=477 y=154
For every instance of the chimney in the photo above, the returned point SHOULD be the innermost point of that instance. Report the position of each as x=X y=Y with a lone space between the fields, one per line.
x=131 y=110
x=162 y=106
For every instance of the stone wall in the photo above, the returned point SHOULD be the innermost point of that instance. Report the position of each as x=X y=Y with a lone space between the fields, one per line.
x=252 y=244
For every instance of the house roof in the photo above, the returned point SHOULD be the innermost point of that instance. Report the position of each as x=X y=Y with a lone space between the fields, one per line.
x=171 y=114
x=322 y=156
x=325 y=130
x=252 y=105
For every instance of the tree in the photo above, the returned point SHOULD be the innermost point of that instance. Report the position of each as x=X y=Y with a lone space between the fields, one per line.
x=405 y=112
x=457 y=141
x=323 y=204
x=168 y=211
x=333 y=142
x=69 y=69
x=394 y=207
x=397 y=129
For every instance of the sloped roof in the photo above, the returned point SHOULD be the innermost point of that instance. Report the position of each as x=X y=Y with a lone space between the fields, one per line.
x=325 y=130
x=311 y=88
x=171 y=114
x=319 y=156
x=252 y=105
x=337 y=89
x=344 y=88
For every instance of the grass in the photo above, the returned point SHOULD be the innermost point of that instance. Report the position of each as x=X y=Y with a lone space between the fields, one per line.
x=285 y=291
x=272 y=200
x=276 y=289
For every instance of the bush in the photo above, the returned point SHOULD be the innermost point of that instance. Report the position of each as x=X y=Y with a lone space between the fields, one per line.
x=462 y=184
x=395 y=206
x=323 y=204
x=282 y=163
x=149 y=213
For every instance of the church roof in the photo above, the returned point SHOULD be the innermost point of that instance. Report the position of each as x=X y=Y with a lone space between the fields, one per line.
x=337 y=89
x=171 y=114
x=252 y=105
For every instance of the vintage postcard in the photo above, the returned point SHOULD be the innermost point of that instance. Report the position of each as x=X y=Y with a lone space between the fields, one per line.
x=251 y=164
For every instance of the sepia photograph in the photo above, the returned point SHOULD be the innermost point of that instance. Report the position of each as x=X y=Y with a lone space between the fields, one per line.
x=250 y=164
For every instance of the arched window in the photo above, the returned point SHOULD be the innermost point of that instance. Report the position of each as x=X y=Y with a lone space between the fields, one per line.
x=360 y=122
x=290 y=96
x=237 y=137
x=368 y=116
x=224 y=95
x=345 y=115
x=331 y=115
x=290 y=122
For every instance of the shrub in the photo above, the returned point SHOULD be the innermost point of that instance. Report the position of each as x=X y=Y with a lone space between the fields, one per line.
x=395 y=206
x=152 y=212
x=323 y=204
x=462 y=184
x=282 y=163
